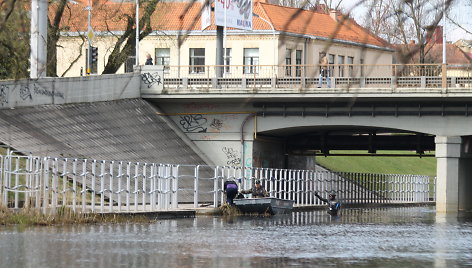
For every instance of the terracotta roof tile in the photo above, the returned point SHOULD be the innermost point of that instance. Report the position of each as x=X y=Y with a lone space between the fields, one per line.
x=184 y=16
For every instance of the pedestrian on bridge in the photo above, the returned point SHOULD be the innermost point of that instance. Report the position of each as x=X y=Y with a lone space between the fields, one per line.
x=324 y=70
x=148 y=59
x=333 y=205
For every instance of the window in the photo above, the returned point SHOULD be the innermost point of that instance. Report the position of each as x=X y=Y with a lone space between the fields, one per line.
x=130 y=62
x=197 y=60
x=350 y=61
x=331 y=62
x=227 y=60
x=288 y=62
x=251 y=60
x=341 y=66
x=163 y=57
x=298 y=62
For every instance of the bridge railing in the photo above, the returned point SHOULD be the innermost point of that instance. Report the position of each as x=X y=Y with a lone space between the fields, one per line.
x=307 y=76
x=88 y=185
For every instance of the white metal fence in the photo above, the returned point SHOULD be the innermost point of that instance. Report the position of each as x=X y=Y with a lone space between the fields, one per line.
x=116 y=186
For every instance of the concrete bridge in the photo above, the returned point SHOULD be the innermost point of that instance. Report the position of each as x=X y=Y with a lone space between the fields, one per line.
x=263 y=119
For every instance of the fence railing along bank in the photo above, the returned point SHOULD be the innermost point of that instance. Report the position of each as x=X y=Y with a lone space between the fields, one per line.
x=307 y=76
x=117 y=186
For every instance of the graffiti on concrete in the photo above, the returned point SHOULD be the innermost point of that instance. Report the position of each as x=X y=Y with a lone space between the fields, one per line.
x=25 y=93
x=46 y=92
x=216 y=124
x=193 y=123
x=151 y=79
x=231 y=156
x=4 y=94
x=248 y=148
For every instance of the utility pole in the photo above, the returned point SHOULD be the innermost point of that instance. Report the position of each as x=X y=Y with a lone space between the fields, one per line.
x=137 y=33
x=38 y=42
x=444 y=63
x=89 y=37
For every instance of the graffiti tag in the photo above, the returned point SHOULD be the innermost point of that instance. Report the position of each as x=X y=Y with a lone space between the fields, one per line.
x=4 y=94
x=151 y=79
x=231 y=156
x=193 y=123
x=216 y=124
x=25 y=93
x=46 y=92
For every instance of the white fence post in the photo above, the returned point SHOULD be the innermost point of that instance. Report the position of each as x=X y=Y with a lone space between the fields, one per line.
x=195 y=188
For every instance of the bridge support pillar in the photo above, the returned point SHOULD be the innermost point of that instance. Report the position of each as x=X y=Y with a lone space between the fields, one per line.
x=300 y=162
x=453 y=168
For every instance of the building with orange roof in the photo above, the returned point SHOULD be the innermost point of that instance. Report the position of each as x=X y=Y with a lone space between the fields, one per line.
x=280 y=36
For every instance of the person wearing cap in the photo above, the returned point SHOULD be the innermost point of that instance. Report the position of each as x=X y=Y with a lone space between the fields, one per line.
x=231 y=190
x=333 y=205
x=257 y=191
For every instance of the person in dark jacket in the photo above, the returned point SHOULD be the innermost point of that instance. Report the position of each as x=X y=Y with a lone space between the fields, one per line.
x=257 y=191
x=231 y=190
x=148 y=59
x=333 y=205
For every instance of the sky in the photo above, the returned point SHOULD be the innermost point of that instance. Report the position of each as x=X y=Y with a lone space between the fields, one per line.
x=461 y=11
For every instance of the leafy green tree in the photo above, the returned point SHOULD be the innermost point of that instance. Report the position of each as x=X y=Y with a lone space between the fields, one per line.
x=14 y=39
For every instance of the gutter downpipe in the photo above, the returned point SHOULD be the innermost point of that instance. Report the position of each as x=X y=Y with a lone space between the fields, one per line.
x=273 y=36
x=305 y=50
x=243 y=163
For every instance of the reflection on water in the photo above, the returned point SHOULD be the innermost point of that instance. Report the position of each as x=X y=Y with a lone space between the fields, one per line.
x=387 y=237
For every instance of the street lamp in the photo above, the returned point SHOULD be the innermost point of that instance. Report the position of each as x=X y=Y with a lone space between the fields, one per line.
x=273 y=34
x=89 y=37
x=137 y=33
x=444 y=33
x=38 y=40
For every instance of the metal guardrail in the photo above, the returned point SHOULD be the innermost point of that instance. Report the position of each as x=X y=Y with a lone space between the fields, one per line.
x=308 y=76
x=87 y=185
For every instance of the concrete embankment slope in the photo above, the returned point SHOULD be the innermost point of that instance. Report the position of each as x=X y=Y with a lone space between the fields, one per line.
x=127 y=130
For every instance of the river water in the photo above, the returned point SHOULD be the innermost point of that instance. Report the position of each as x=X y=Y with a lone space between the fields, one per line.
x=367 y=237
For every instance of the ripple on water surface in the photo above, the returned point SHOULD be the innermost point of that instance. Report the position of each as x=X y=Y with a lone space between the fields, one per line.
x=386 y=237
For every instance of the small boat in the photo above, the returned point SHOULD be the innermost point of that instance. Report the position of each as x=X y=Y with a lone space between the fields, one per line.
x=270 y=205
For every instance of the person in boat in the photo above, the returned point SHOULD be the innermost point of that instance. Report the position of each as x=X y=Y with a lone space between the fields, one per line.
x=231 y=190
x=257 y=191
x=333 y=205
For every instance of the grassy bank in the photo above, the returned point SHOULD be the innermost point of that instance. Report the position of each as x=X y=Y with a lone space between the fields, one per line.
x=379 y=164
x=64 y=216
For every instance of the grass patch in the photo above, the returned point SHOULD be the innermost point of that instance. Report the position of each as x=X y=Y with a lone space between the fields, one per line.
x=63 y=216
x=379 y=164
x=228 y=210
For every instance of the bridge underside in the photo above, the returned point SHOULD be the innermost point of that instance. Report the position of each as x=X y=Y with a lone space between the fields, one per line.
x=288 y=130
x=323 y=140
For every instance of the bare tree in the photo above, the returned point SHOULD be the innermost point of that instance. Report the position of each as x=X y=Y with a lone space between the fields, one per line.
x=125 y=43
x=405 y=22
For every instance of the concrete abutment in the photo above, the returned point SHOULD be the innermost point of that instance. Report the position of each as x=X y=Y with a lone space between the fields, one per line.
x=454 y=172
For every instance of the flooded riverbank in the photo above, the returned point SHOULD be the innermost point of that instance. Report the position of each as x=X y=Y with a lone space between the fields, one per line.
x=387 y=237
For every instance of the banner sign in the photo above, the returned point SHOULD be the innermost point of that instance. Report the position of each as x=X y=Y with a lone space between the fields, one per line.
x=206 y=14
x=238 y=13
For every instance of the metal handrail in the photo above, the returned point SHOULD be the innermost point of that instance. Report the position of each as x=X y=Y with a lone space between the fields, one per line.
x=152 y=186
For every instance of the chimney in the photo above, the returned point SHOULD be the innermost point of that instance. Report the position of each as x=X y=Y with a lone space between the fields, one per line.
x=438 y=35
x=412 y=42
x=333 y=14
